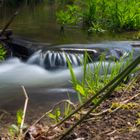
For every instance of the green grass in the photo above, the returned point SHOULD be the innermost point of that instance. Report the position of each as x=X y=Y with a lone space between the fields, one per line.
x=2 y=52
x=96 y=75
x=103 y=94
x=116 y=15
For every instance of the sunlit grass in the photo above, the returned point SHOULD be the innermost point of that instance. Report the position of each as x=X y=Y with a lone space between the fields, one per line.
x=96 y=75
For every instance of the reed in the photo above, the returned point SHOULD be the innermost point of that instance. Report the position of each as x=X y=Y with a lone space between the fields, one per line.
x=96 y=75
x=107 y=89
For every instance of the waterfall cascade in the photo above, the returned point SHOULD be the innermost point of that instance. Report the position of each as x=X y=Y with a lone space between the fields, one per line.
x=49 y=68
x=57 y=59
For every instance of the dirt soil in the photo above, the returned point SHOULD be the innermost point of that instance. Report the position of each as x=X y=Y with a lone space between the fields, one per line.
x=117 y=118
x=110 y=124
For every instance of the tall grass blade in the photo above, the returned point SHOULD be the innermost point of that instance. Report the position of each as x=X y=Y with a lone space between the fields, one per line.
x=116 y=82
x=74 y=80
x=120 y=76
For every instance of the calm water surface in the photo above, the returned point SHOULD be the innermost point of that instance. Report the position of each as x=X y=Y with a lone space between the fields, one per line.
x=39 y=23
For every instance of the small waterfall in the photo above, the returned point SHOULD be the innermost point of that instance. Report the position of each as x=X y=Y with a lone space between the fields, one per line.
x=56 y=59
x=36 y=58
x=14 y=73
x=38 y=71
x=52 y=60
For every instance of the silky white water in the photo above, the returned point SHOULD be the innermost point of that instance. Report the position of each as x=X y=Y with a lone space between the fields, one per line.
x=42 y=85
x=13 y=72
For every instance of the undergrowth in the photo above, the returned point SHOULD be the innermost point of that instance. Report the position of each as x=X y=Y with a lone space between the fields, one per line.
x=96 y=75
x=100 y=15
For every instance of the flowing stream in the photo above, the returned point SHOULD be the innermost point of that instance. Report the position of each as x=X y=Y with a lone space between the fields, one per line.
x=49 y=84
x=45 y=75
x=38 y=22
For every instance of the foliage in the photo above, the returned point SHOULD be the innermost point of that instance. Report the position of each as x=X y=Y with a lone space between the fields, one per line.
x=19 y=117
x=96 y=76
x=89 y=14
x=95 y=28
x=55 y=116
x=15 y=128
x=124 y=14
x=114 y=15
x=58 y=113
x=117 y=14
x=103 y=94
x=68 y=16
x=2 y=52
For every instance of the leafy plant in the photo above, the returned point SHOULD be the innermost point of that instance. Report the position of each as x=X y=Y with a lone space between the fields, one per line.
x=67 y=110
x=68 y=16
x=14 y=129
x=2 y=52
x=114 y=15
x=96 y=75
x=61 y=112
x=56 y=115
x=104 y=93
x=95 y=28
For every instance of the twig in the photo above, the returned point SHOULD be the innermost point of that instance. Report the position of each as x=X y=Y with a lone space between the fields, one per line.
x=4 y=111
x=45 y=114
x=131 y=83
x=95 y=114
x=110 y=133
x=8 y=23
x=24 y=110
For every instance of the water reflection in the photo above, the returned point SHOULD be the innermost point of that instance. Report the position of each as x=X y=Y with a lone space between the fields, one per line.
x=38 y=22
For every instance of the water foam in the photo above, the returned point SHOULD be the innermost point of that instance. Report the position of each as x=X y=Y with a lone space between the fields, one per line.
x=34 y=73
x=15 y=73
